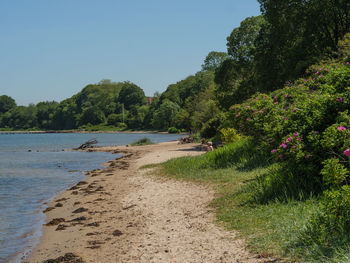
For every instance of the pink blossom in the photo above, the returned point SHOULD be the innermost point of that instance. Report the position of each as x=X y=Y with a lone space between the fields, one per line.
x=294 y=109
x=298 y=139
x=262 y=111
x=285 y=118
x=347 y=63
x=248 y=106
x=329 y=96
x=307 y=156
x=237 y=115
x=280 y=156
x=289 y=139
x=294 y=147
x=276 y=102
x=295 y=134
x=317 y=73
x=347 y=152
x=327 y=69
x=275 y=98
x=273 y=150
x=314 y=79
x=283 y=145
x=248 y=119
x=340 y=99
x=233 y=108
x=321 y=69
x=317 y=132
x=341 y=128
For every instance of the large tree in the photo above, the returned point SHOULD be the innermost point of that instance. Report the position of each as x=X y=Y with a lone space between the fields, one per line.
x=297 y=34
x=6 y=103
x=213 y=60
x=131 y=95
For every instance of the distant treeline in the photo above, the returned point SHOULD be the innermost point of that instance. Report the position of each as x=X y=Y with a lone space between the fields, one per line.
x=263 y=54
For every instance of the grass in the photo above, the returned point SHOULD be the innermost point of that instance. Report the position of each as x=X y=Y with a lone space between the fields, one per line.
x=271 y=223
x=143 y=141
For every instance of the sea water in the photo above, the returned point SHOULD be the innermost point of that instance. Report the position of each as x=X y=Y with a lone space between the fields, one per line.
x=34 y=168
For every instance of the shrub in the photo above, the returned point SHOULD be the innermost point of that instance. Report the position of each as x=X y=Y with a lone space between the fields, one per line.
x=304 y=124
x=229 y=135
x=173 y=130
x=143 y=141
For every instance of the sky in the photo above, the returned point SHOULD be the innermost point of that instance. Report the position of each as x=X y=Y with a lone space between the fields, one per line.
x=51 y=49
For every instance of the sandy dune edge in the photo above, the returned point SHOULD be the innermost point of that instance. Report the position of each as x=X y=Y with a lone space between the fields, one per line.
x=123 y=214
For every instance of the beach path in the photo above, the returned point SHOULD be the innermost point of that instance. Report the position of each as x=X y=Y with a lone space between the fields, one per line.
x=126 y=214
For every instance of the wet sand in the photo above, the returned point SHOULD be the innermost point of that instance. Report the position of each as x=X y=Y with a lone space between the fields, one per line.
x=126 y=214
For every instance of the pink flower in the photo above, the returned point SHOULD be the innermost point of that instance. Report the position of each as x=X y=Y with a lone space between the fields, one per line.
x=314 y=79
x=347 y=63
x=276 y=102
x=275 y=98
x=248 y=119
x=294 y=109
x=283 y=145
x=341 y=128
x=280 y=156
x=317 y=132
x=327 y=69
x=233 y=108
x=285 y=118
x=248 y=106
x=307 y=156
x=289 y=139
x=298 y=139
x=347 y=152
x=295 y=134
x=262 y=111
x=317 y=73
x=273 y=150
x=294 y=147
x=237 y=115
x=340 y=99
x=321 y=69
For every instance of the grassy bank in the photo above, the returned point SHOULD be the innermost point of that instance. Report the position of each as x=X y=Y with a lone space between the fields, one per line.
x=273 y=223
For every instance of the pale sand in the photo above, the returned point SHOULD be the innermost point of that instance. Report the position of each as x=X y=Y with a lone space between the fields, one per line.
x=133 y=216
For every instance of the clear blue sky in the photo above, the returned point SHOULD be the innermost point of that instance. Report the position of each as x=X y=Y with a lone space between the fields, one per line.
x=51 y=49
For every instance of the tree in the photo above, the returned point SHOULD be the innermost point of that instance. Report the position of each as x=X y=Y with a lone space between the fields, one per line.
x=163 y=118
x=214 y=60
x=131 y=94
x=241 y=42
x=297 y=33
x=6 y=103
x=92 y=115
x=236 y=76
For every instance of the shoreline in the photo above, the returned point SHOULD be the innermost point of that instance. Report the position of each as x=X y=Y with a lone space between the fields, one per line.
x=129 y=153
x=124 y=214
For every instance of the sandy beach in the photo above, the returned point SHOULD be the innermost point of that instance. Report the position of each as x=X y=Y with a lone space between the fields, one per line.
x=126 y=214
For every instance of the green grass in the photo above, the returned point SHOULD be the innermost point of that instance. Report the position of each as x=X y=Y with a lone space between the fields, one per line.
x=270 y=222
x=143 y=141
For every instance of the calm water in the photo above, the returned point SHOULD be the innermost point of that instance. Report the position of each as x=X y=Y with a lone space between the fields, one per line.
x=33 y=170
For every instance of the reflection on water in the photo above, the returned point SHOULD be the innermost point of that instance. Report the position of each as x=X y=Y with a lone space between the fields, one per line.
x=33 y=169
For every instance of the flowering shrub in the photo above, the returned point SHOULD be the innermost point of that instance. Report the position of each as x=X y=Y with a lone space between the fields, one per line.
x=305 y=125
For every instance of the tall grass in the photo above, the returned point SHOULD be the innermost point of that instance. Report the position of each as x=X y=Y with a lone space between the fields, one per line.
x=269 y=206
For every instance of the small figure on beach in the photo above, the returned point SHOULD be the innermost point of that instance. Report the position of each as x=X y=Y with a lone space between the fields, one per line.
x=208 y=147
